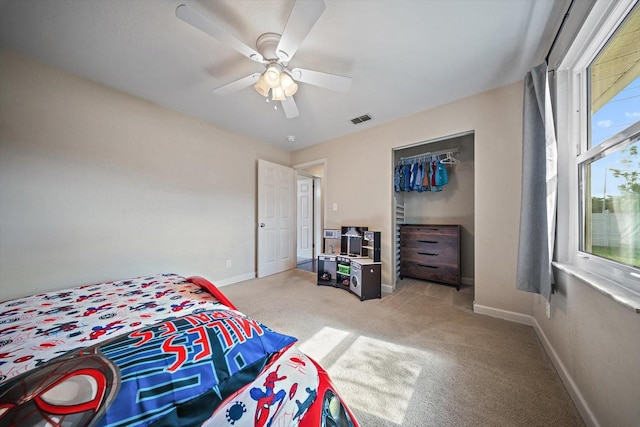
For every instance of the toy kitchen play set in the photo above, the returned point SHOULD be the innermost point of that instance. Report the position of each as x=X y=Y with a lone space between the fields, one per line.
x=357 y=268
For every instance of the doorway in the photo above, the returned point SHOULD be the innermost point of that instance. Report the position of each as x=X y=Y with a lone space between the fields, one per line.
x=309 y=216
x=304 y=219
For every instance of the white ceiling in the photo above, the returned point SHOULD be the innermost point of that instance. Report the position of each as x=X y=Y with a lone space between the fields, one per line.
x=404 y=56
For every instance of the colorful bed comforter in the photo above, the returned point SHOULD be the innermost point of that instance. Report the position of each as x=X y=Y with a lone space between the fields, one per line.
x=38 y=328
x=160 y=350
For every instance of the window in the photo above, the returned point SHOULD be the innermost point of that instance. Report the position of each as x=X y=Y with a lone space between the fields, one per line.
x=599 y=94
x=610 y=214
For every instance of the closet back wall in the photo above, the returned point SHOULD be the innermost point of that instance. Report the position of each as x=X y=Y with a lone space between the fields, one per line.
x=98 y=185
x=454 y=204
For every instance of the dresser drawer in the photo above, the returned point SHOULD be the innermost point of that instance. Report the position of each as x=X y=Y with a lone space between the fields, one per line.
x=436 y=255
x=425 y=271
x=425 y=231
x=430 y=243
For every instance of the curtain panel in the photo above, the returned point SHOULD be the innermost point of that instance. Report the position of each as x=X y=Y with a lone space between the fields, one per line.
x=539 y=186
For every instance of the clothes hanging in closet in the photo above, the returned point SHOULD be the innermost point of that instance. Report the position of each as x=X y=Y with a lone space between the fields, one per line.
x=422 y=174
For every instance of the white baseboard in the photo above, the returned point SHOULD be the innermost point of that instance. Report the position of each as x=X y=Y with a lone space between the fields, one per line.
x=387 y=288
x=236 y=279
x=503 y=314
x=569 y=383
x=467 y=281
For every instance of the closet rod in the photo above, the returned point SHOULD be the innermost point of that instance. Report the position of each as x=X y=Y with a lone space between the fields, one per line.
x=431 y=153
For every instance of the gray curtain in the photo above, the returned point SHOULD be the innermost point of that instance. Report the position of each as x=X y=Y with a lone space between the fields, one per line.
x=539 y=187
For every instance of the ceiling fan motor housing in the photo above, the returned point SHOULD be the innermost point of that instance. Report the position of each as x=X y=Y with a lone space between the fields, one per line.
x=267 y=45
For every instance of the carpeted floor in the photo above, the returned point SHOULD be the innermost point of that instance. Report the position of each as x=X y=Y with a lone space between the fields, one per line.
x=416 y=357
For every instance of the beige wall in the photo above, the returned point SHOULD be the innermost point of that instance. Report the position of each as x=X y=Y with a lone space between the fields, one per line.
x=597 y=344
x=98 y=185
x=359 y=180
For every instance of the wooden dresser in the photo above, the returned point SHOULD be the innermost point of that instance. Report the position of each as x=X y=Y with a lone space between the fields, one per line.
x=430 y=252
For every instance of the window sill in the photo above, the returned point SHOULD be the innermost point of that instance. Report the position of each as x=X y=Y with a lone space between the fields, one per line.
x=621 y=295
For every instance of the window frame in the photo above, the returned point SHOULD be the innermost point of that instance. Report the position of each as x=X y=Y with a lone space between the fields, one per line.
x=614 y=144
x=573 y=148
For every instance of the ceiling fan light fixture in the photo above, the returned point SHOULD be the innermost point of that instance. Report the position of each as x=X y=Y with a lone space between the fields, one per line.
x=277 y=94
x=272 y=75
x=289 y=86
x=262 y=87
x=292 y=90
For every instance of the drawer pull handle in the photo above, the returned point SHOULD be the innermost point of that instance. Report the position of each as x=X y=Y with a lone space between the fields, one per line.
x=429 y=229
x=427 y=253
x=427 y=241
x=427 y=266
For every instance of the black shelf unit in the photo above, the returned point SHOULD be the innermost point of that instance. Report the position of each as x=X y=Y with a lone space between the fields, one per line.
x=327 y=270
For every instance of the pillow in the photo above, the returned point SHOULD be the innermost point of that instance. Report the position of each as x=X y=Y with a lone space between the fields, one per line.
x=207 y=355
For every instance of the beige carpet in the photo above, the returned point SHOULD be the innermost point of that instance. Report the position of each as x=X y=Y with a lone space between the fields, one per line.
x=417 y=357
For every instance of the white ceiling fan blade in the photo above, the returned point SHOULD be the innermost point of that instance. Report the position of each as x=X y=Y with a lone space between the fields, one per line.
x=290 y=108
x=237 y=85
x=326 y=80
x=304 y=15
x=202 y=21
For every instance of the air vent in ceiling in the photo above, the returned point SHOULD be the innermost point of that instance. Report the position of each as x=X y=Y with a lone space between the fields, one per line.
x=361 y=119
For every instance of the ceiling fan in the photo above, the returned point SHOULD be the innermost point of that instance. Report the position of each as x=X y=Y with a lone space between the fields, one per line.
x=274 y=51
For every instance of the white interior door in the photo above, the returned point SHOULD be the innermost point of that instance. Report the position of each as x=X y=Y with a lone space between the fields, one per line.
x=276 y=218
x=317 y=215
x=305 y=218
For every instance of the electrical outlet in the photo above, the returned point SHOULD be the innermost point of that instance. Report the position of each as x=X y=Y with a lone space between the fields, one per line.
x=228 y=263
x=548 y=310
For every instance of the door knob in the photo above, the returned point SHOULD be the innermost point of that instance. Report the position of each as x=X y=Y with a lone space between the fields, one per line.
x=262 y=225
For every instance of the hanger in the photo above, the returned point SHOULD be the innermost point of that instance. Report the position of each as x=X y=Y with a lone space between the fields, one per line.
x=449 y=160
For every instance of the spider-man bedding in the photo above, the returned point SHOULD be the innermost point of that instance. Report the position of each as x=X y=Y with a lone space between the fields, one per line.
x=160 y=350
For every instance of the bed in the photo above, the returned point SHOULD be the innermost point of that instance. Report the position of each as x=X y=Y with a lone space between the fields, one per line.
x=160 y=350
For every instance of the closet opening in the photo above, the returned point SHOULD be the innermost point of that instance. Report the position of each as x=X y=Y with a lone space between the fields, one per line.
x=432 y=196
